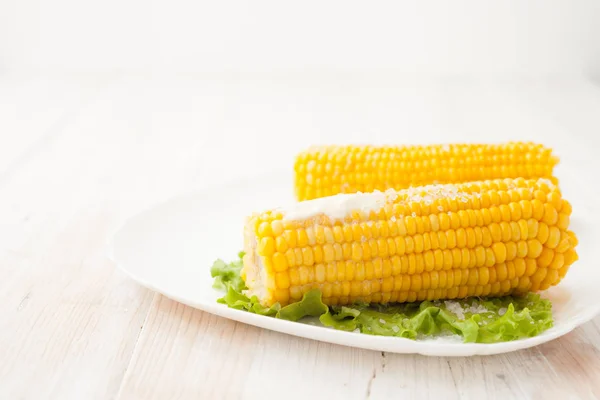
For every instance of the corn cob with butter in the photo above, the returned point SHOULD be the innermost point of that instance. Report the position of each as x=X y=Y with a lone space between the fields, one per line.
x=329 y=170
x=494 y=237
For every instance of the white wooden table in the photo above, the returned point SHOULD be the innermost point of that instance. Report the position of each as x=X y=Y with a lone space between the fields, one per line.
x=78 y=155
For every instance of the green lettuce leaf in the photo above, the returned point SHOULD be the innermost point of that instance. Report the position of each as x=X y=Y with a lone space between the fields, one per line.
x=472 y=320
x=311 y=305
x=475 y=320
x=239 y=301
x=228 y=274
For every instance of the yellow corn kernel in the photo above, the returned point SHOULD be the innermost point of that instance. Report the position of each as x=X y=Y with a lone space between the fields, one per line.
x=473 y=276
x=484 y=275
x=520 y=267
x=307 y=256
x=264 y=229
x=543 y=233
x=539 y=275
x=511 y=250
x=279 y=262
x=499 y=250
x=282 y=280
x=550 y=214
x=553 y=237
x=570 y=257
x=266 y=246
x=537 y=209
x=534 y=248
x=495 y=232
x=451 y=238
x=532 y=228
x=283 y=296
x=563 y=221
x=302 y=238
x=558 y=261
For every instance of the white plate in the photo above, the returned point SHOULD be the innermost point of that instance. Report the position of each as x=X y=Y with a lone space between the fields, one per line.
x=171 y=247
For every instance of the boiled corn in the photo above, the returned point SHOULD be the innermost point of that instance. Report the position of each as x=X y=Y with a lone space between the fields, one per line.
x=493 y=237
x=329 y=170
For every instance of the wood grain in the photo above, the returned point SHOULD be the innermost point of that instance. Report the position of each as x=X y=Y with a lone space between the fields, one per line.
x=210 y=357
x=85 y=155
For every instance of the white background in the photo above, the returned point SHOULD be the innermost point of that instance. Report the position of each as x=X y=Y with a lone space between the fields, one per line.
x=534 y=37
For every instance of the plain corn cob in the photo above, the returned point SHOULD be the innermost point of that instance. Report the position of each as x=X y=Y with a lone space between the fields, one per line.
x=329 y=170
x=493 y=237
